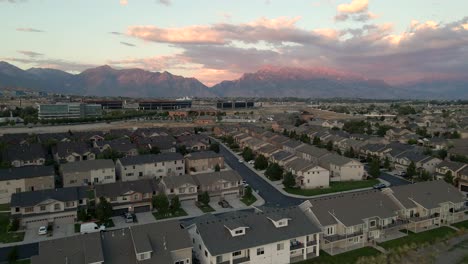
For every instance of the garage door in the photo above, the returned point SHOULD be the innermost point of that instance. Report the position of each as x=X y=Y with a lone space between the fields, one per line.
x=230 y=196
x=67 y=219
x=119 y=212
x=188 y=202
x=35 y=223
x=142 y=209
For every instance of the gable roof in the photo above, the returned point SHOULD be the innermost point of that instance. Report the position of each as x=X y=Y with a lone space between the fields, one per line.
x=203 y=155
x=87 y=165
x=24 y=152
x=150 y=158
x=26 y=199
x=204 y=179
x=26 y=172
x=120 y=188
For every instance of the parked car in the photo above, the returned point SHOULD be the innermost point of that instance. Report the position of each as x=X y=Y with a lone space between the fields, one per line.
x=91 y=228
x=224 y=204
x=379 y=186
x=401 y=173
x=241 y=160
x=42 y=230
x=251 y=161
x=128 y=218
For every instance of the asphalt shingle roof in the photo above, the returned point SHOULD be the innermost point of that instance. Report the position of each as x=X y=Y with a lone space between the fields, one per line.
x=26 y=172
x=26 y=199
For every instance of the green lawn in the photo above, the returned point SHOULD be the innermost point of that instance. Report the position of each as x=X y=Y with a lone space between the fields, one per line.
x=206 y=208
x=178 y=213
x=249 y=200
x=334 y=187
x=108 y=223
x=77 y=228
x=429 y=236
x=6 y=237
x=5 y=207
x=343 y=258
x=463 y=224
x=23 y=261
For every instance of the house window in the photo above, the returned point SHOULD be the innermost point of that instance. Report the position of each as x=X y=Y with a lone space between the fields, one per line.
x=226 y=185
x=260 y=251
x=108 y=177
x=140 y=174
x=18 y=190
x=135 y=197
x=124 y=198
x=180 y=262
x=181 y=190
x=372 y=223
x=113 y=199
x=239 y=231
x=279 y=246
x=56 y=206
x=206 y=253
x=237 y=253
x=29 y=209
x=330 y=230
x=43 y=207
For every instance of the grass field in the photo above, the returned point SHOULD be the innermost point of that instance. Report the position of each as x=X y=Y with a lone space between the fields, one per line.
x=177 y=213
x=5 y=236
x=429 y=236
x=343 y=258
x=334 y=187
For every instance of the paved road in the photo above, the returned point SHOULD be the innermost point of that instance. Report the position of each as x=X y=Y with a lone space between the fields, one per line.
x=272 y=197
x=24 y=251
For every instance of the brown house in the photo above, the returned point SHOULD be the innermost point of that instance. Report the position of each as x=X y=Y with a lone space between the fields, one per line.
x=204 y=161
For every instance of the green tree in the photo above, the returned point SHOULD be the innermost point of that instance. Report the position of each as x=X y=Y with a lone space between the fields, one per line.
x=274 y=171
x=424 y=176
x=350 y=153
x=161 y=203
x=330 y=145
x=261 y=162
x=103 y=210
x=248 y=192
x=448 y=177
x=305 y=138
x=442 y=154
x=13 y=255
x=14 y=225
x=110 y=154
x=175 y=203
x=214 y=147
x=412 y=141
x=155 y=150
x=182 y=149
x=82 y=215
x=411 y=170
x=289 y=181
x=247 y=154
x=217 y=167
x=204 y=198
x=374 y=169
x=316 y=141
x=387 y=163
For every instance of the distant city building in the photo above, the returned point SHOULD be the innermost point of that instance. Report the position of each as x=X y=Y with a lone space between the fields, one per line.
x=235 y=104
x=164 y=104
x=107 y=104
x=69 y=110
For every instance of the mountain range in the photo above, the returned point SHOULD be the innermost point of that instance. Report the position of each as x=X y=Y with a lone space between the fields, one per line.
x=266 y=82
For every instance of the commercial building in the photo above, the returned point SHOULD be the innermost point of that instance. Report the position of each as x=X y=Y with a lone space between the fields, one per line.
x=107 y=104
x=69 y=110
x=164 y=104
x=235 y=104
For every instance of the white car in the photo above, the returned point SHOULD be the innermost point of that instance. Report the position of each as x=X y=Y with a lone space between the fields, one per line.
x=251 y=161
x=241 y=160
x=42 y=230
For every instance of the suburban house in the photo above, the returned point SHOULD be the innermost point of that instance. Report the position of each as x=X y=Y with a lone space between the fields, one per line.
x=131 y=196
x=352 y=220
x=291 y=145
x=269 y=236
x=450 y=166
x=183 y=186
x=203 y=161
x=39 y=208
x=162 y=242
x=267 y=150
x=194 y=142
x=150 y=166
x=421 y=161
x=221 y=184
x=308 y=175
x=342 y=168
x=123 y=146
x=73 y=151
x=428 y=204
x=24 y=179
x=394 y=134
x=311 y=153
x=463 y=181
x=87 y=172
x=163 y=143
x=25 y=155
x=281 y=157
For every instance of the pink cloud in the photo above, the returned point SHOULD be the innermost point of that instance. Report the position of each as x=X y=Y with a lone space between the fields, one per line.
x=192 y=34
x=356 y=6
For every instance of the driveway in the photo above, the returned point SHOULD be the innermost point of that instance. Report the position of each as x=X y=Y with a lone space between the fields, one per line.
x=59 y=231
x=190 y=208
x=235 y=203
x=142 y=218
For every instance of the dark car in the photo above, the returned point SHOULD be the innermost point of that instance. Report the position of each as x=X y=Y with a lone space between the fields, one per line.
x=224 y=204
x=379 y=186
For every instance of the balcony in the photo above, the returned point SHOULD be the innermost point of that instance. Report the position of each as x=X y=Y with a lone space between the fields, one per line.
x=397 y=223
x=461 y=209
x=335 y=238
x=294 y=245
x=423 y=218
x=236 y=261
x=312 y=243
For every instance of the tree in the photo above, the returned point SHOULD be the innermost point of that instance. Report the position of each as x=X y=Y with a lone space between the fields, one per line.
x=374 y=170
x=182 y=149
x=82 y=215
x=316 y=141
x=14 y=225
x=442 y=154
x=274 y=171
x=214 y=147
x=289 y=181
x=161 y=203
x=217 y=167
x=387 y=163
x=330 y=145
x=175 y=203
x=424 y=176
x=350 y=153
x=110 y=154
x=103 y=210
x=155 y=150
x=13 y=255
x=248 y=192
x=411 y=170
x=448 y=177
x=412 y=141
x=261 y=162
x=247 y=154
x=204 y=198
x=305 y=138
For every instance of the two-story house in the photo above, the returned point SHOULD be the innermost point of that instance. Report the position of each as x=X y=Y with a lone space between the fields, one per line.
x=131 y=196
x=203 y=161
x=308 y=175
x=428 y=204
x=73 y=151
x=150 y=166
x=30 y=178
x=342 y=168
x=221 y=184
x=25 y=155
x=87 y=172
x=279 y=236
x=311 y=153
x=183 y=186
x=39 y=208
x=123 y=146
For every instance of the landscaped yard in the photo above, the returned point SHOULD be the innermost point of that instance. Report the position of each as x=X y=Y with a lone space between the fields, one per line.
x=249 y=200
x=334 y=187
x=5 y=207
x=107 y=224
x=23 y=261
x=429 y=236
x=463 y=224
x=344 y=258
x=5 y=236
x=177 y=213
x=206 y=208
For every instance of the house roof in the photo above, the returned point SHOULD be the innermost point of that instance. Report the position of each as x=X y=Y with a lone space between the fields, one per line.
x=298 y=164
x=64 y=149
x=177 y=181
x=335 y=159
x=351 y=208
x=292 y=143
x=313 y=151
x=282 y=155
x=150 y=158
x=204 y=179
x=451 y=165
x=26 y=172
x=120 y=188
x=87 y=165
x=203 y=155
x=260 y=231
x=268 y=148
x=428 y=194
x=26 y=199
x=25 y=152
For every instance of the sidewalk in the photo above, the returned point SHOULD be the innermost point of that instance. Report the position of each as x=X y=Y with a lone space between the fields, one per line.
x=280 y=187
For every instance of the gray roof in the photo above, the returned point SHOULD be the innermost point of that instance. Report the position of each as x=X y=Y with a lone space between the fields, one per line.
x=120 y=188
x=268 y=148
x=151 y=158
x=292 y=143
x=428 y=194
x=313 y=151
x=334 y=159
x=451 y=165
x=87 y=165
x=299 y=164
x=26 y=172
x=203 y=155
x=282 y=155
x=26 y=199
x=204 y=179
x=351 y=208
x=24 y=152
x=177 y=181
x=64 y=149
x=260 y=231
x=75 y=249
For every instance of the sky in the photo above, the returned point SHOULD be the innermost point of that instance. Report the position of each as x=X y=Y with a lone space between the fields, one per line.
x=214 y=40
